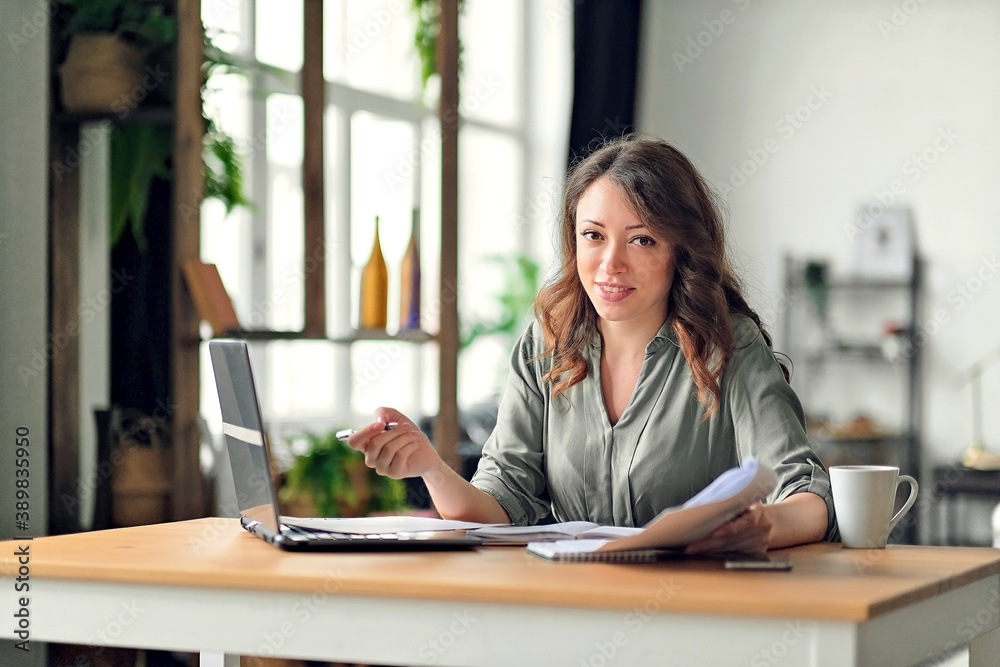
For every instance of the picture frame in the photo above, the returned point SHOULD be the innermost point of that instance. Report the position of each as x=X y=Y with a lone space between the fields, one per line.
x=886 y=246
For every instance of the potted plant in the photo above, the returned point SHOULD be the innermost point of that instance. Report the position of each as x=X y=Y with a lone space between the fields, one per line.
x=108 y=44
x=331 y=479
x=141 y=468
x=513 y=303
x=512 y=306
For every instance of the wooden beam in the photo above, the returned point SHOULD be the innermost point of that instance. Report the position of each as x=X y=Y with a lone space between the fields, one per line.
x=188 y=492
x=313 y=102
x=446 y=430
x=63 y=351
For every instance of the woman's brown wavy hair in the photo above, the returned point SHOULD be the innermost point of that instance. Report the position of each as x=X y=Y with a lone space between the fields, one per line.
x=666 y=192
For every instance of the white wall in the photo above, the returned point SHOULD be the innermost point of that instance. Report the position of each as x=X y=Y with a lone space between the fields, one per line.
x=24 y=27
x=894 y=77
x=23 y=254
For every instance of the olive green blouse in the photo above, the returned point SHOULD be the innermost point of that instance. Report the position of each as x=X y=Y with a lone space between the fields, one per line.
x=563 y=453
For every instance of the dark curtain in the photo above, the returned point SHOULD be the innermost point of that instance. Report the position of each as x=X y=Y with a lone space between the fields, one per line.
x=605 y=64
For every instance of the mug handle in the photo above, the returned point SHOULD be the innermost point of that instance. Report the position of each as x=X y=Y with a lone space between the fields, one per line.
x=909 y=501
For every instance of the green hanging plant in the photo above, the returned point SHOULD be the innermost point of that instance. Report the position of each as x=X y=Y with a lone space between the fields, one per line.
x=223 y=163
x=428 y=14
x=223 y=169
x=425 y=37
x=139 y=153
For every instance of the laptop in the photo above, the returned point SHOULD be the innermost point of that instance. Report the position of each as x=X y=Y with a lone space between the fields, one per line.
x=249 y=456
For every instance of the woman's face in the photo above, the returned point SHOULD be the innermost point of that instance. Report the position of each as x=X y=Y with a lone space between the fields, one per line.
x=626 y=271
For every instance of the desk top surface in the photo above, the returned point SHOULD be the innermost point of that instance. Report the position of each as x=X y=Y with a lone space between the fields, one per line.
x=827 y=581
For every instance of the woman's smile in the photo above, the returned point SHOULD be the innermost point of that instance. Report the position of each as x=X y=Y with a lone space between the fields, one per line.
x=614 y=293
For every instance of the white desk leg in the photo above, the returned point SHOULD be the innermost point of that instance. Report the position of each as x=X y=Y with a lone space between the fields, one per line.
x=984 y=649
x=217 y=659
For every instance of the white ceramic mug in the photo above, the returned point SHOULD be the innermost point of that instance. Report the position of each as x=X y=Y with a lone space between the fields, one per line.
x=863 y=498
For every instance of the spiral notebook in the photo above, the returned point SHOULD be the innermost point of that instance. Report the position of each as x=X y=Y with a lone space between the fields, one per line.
x=674 y=528
x=586 y=551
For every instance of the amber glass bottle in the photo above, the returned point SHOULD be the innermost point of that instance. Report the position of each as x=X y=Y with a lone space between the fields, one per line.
x=409 y=279
x=374 y=289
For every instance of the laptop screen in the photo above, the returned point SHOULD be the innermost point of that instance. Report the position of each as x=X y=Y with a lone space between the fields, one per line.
x=244 y=432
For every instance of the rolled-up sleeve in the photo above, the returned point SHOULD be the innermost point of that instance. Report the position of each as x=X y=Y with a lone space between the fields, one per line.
x=512 y=468
x=769 y=425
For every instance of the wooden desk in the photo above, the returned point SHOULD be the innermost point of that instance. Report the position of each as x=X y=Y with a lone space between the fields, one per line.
x=208 y=586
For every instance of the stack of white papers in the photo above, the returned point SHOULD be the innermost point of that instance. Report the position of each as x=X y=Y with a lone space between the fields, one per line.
x=724 y=499
x=372 y=525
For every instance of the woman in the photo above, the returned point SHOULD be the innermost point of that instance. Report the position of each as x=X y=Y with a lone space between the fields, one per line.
x=645 y=376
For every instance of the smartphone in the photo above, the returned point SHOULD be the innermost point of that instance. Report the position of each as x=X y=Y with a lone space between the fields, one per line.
x=348 y=432
x=757 y=562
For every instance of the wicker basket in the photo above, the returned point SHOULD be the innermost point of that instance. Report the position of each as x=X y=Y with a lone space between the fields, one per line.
x=140 y=486
x=100 y=74
x=142 y=471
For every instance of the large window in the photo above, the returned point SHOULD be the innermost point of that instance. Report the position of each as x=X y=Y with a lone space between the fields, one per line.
x=382 y=158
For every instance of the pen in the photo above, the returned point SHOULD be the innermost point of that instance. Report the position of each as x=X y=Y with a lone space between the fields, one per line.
x=348 y=432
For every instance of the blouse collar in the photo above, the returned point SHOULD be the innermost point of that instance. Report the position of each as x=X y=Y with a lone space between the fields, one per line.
x=664 y=337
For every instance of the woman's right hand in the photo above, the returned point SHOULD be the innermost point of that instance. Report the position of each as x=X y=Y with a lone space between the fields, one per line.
x=400 y=452
x=404 y=451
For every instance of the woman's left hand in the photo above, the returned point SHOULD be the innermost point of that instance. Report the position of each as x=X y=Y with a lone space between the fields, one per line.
x=750 y=532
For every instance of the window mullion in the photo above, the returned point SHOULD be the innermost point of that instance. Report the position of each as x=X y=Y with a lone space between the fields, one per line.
x=260 y=194
x=340 y=244
x=354 y=99
x=528 y=166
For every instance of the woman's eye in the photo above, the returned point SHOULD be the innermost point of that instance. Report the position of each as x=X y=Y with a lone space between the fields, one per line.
x=590 y=234
x=643 y=241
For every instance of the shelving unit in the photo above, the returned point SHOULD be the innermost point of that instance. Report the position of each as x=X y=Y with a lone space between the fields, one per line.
x=188 y=490
x=404 y=337
x=833 y=332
